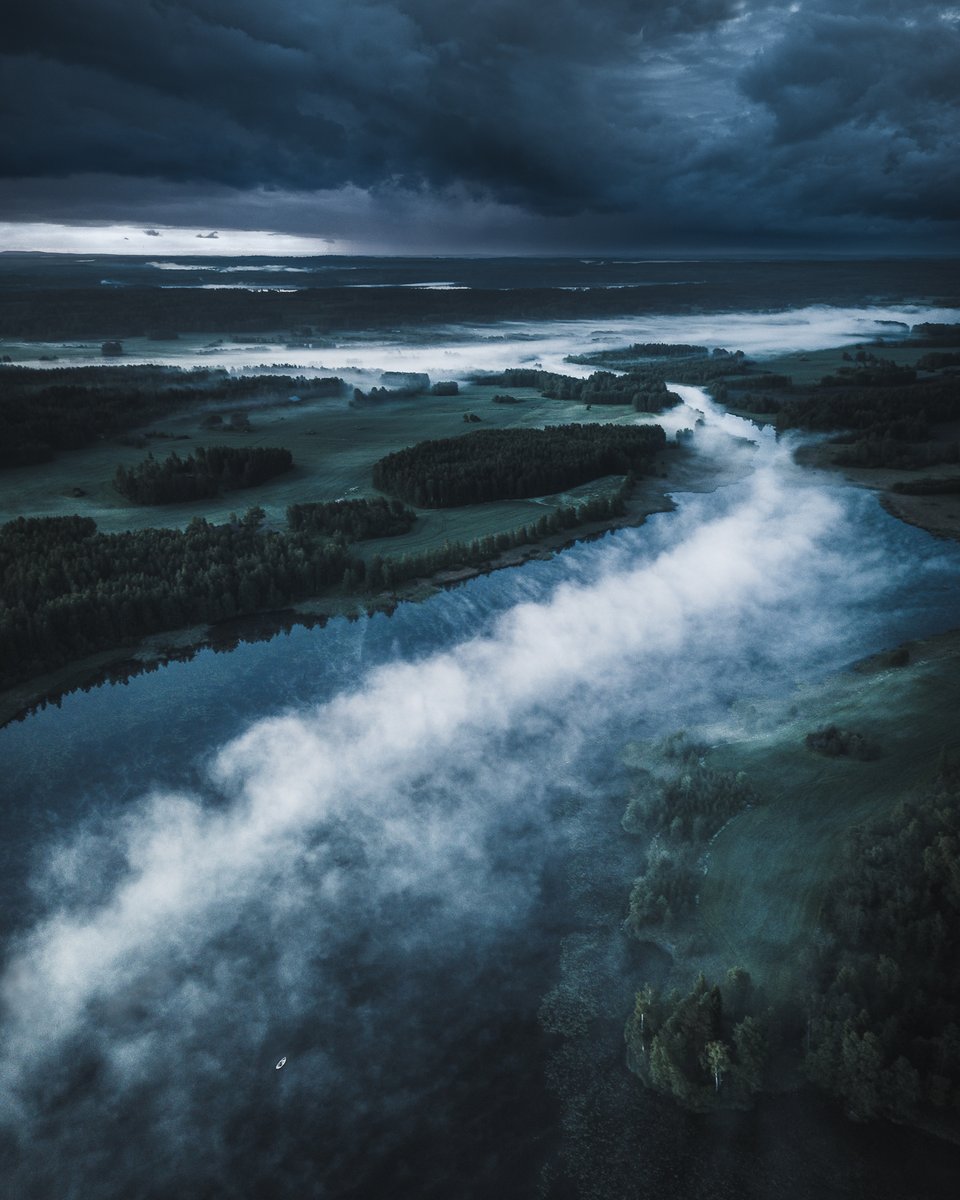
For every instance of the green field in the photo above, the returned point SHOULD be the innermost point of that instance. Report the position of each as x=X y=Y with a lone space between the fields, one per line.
x=334 y=448
x=769 y=867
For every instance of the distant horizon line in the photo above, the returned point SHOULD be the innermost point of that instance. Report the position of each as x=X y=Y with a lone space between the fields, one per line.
x=586 y=257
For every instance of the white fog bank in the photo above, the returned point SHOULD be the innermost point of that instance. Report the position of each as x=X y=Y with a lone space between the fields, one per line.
x=459 y=352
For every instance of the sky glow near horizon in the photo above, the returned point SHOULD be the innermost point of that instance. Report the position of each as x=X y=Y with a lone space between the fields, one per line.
x=409 y=126
x=54 y=238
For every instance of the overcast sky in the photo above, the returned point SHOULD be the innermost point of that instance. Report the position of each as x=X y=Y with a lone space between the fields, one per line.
x=483 y=125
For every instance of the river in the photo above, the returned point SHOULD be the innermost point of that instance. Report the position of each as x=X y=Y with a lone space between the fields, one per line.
x=372 y=848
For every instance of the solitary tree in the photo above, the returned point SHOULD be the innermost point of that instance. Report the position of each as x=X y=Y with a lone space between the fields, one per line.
x=716 y=1058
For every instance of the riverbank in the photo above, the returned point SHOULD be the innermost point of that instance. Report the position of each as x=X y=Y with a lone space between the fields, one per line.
x=937 y=514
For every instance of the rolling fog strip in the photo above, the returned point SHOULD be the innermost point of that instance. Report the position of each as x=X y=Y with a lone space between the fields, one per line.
x=463 y=351
x=410 y=811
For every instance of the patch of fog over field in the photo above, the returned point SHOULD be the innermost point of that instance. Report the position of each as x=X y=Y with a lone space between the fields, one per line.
x=357 y=881
x=461 y=352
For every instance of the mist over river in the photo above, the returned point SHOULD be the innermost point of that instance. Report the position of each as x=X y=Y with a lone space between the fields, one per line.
x=361 y=847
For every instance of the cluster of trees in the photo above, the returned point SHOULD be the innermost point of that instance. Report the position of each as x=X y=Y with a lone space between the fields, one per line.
x=890 y=452
x=698 y=371
x=356 y=520
x=64 y=408
x=707 y=1048
x=741 y=393
x=891 y=424
x=388 y=572
x=502 y=464
x=644 y=390
x=207 y=472
x=679 y=814
x=884 y=1013
x=869 y=371
x=842 y=743
x=402 y=387
x=902 y=411
x=938 y=360
x=933 y=333
x=67 y=590
x=640 y=350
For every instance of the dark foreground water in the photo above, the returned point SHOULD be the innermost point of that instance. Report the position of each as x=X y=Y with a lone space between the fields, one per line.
x=376 y=847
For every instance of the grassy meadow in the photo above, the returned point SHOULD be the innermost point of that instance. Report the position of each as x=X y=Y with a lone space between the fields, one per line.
x=334 y=447
x=768 y=868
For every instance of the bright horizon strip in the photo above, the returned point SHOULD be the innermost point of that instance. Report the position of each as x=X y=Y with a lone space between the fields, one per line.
x=52 y=238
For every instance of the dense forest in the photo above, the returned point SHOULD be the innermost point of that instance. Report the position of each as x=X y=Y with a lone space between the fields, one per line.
x=66 y=408
x=643 y=350
x=356 y=520
x=706 y=1048
x=644 y=391
x=59 y=306
x=502 y=464
x=879 y=1025
x=903 y=410
x=385 y=572
x=69 y=591
x=884 y=1014
x=885 y=409
x=699 y=371
x=209 y=471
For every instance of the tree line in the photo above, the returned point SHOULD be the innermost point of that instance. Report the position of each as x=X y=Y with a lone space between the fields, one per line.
x=387 y=572
x=63 y=310
x=644 y=350
x=698 y=371
x=69 y=591
x=502 y=464
x=356 y=520
x=207 y=472
x=66 y=408
x=884 y=1011
x=643 y=390
x=890 y=426
x=878 y=1027
x=903 y=412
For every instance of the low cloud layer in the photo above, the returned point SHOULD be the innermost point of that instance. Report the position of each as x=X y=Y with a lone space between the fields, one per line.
x=607 y=124
x=355 y=886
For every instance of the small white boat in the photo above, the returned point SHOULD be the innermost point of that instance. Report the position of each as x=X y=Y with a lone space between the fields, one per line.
x=281 y=1063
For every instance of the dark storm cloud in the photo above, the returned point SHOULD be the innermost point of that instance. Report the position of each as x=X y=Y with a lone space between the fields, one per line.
x=866 y=109
x=316 y=96
x=704 y=114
